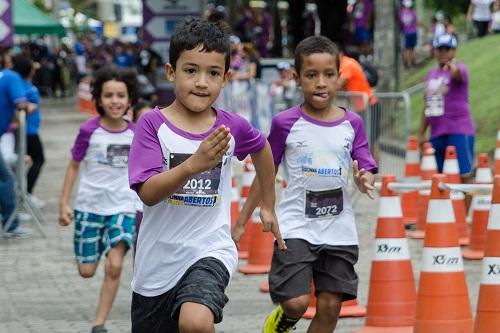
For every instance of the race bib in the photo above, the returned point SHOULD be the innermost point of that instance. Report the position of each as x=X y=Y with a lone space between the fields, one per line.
x=434 y=106
x=117 y=155
x=324 y=203
x=200 y=190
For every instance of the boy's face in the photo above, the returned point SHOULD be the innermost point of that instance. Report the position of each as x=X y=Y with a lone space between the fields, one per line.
x=318 y=78
x=198 y=77
x=444 y=54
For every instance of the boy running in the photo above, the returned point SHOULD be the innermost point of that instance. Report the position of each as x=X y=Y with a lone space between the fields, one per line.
x=180 y=165
x=315 y=142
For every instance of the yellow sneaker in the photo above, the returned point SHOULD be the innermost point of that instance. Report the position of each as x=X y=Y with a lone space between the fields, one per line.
x=278 y=322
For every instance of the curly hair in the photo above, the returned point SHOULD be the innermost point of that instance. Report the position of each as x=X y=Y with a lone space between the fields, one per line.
x=105 y=74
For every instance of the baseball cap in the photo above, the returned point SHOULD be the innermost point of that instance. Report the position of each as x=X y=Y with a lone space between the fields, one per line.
x=283 y=65
x=446 y=40
x=407 y=3
x=233 y=39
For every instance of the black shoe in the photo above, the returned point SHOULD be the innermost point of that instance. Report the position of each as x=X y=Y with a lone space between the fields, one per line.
x=99 y=329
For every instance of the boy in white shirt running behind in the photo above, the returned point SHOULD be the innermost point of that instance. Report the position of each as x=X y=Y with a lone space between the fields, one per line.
x=315 y=142
x=180 y=165
x=104 y=204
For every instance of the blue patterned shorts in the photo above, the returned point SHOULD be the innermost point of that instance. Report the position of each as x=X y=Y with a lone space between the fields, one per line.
x=97 y=234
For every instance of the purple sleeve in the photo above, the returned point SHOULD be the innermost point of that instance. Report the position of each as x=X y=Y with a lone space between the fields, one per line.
x=82 y=140
x=146 y=157
x=360 y=149
x=248 y=139
x=463 y=72
x=280 y=128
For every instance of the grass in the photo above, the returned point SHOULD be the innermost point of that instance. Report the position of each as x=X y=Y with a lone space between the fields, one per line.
x=482 y=57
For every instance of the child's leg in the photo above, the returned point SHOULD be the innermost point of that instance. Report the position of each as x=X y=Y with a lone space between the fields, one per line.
x=196 y=318
x=87 y=240
x=112 y=272
x=117 y=238
x=327 y=313
x=290 y=284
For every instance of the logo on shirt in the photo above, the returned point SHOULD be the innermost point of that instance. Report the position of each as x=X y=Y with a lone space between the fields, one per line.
x=438 y=86
x=301 y=144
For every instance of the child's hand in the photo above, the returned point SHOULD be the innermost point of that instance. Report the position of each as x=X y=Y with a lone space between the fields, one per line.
x=363 y=179
x=210 y=151
x=237 y=231
x=270 y=223
x=65 y=215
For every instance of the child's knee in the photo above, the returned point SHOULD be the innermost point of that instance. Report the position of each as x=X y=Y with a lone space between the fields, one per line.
x=296 y=307
x=87 y=270
x=195 y=324
x=329 y=304
x=113 y=268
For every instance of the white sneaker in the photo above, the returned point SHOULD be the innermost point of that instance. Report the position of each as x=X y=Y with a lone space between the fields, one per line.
x=39 y=203
x=24 y=217
x=19 y=232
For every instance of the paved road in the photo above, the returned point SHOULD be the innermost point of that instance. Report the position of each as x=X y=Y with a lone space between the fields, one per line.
x=41 y=291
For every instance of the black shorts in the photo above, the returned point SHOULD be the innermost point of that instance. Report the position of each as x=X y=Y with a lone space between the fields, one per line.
x=204 y=283
x=331 y=267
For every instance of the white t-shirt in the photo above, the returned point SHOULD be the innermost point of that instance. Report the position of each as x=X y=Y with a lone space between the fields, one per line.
x=482 y=10
x=103 y=187
x=194 y=222
x=495 y=21
x=316 y=158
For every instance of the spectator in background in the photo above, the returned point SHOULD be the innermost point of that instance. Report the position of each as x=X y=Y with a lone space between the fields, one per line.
x=352 y=79
x=26 y=68
x=495 y=17
x=284 y=89
x=249 y=65
x=447 y=110
x=408 y=21
x=81 y=64
x=479 y=12
x=363 y=24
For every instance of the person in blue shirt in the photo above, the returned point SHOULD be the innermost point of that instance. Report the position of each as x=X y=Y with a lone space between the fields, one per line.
x=12 y=98
x=25 y=67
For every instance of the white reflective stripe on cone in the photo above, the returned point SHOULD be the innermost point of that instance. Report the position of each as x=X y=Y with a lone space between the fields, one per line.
x=484 y=176
x=497 y=154
x=442 y=259
x=451 y=167
x=456 y=195
x=412 y=157
x=440 y=211
x=389 y=207
x=482 y=202
x=490 y=273
x=494 y=218
x=391 y=249
x=428 y=163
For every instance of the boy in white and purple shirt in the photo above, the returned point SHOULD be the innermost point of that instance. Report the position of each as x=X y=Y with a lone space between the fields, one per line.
x=315 y=143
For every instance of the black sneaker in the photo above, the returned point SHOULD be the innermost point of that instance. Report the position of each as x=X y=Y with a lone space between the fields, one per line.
x=99 y=329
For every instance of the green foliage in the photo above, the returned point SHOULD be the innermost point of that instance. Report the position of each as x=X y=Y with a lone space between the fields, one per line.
x=481 y=57
x=451 y=8
x=41 y=5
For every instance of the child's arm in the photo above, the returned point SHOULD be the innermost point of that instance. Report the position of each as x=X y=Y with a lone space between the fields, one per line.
x=264 y=166
x=209 y=154
x=363 y=179
x=65 y=211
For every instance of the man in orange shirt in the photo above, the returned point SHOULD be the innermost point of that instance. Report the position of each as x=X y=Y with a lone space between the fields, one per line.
x=353 y=79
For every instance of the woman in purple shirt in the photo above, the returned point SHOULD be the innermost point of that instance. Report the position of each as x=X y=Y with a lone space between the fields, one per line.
x=446 y=108
x=408 y=22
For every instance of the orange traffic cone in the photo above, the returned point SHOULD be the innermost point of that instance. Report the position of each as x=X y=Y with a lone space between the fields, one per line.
x=392 y=294
x=348 y=309
x=442 y=300
x=481 y=204
x=428 y=167
x=261 y=248
x=235 y=202
x=452 y=172
x=409 y=200
x=246 y=180
x=488 y=304
x=496 y=170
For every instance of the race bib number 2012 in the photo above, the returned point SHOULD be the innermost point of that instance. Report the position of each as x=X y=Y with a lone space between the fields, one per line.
x=205 y=183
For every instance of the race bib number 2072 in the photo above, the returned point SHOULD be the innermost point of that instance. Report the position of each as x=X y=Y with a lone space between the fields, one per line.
x=324 y=203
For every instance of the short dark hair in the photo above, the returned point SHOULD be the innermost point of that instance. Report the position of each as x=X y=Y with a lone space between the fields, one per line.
x=315 y=44
x=23 y=65
x=194 y=32
x=107 y=73
x=138 y=107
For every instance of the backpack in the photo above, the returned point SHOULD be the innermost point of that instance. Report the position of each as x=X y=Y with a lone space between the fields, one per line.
x=370 y=73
